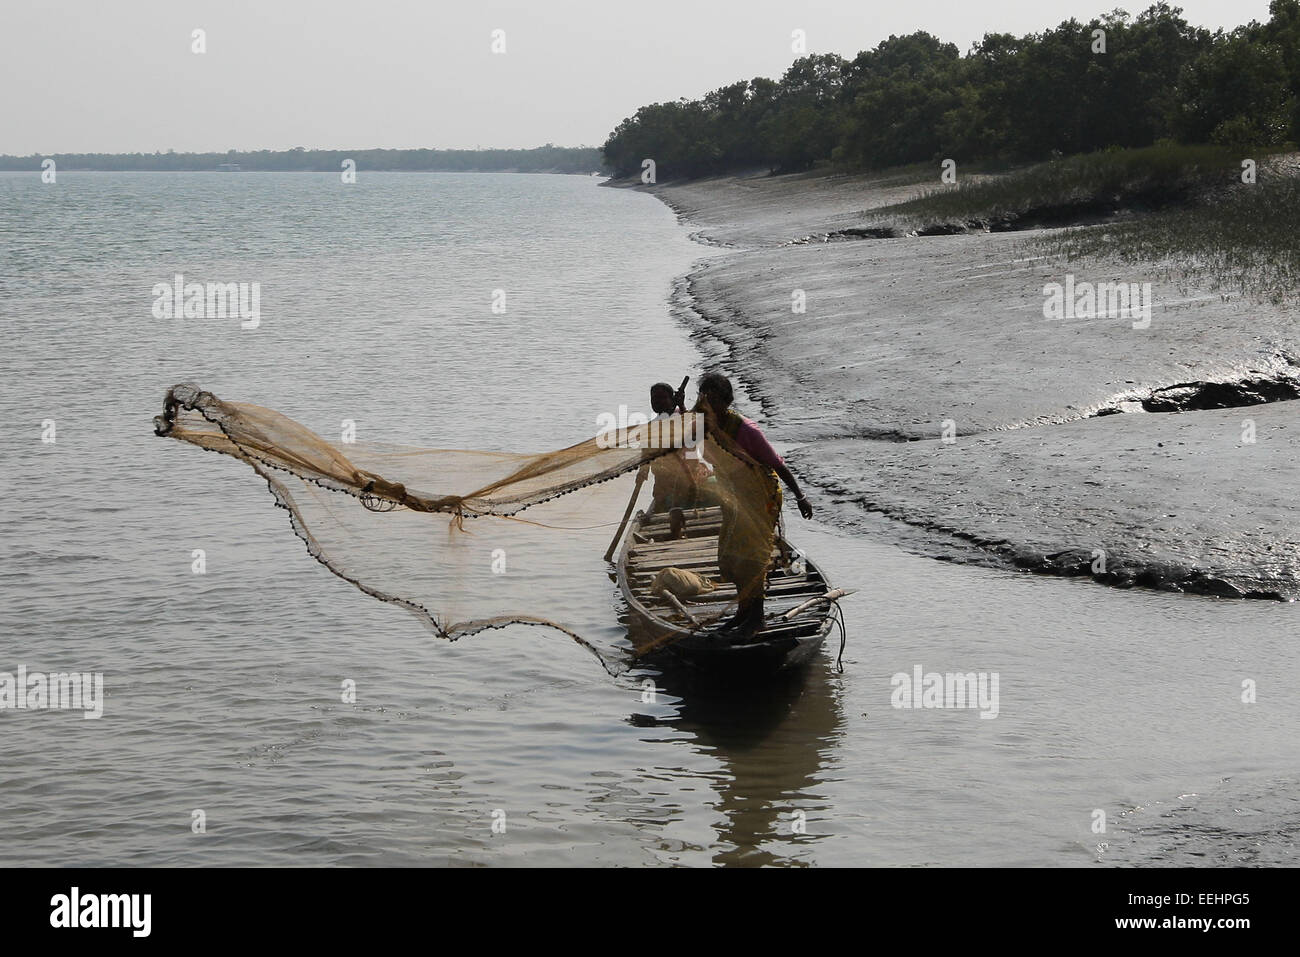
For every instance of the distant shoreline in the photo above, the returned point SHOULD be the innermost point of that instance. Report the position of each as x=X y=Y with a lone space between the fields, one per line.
x=330 y=172
x=578 y=160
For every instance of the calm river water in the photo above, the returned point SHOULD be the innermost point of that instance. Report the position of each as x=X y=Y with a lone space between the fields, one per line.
x=222 y=690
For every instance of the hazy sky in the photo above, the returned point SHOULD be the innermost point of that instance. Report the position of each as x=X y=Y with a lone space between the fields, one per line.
x=97 y=76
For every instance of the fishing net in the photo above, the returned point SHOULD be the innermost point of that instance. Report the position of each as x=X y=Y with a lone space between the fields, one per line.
x=443 y=532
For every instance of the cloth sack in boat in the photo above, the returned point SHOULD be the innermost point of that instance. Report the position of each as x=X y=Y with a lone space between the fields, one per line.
x=681 y=582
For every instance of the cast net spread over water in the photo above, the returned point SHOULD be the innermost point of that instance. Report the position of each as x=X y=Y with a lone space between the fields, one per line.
x=439 y=531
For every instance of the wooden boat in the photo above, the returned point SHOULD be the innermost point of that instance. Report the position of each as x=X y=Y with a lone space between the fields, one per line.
x=796 y=621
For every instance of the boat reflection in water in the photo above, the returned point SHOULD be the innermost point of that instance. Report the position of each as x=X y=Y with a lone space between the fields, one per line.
x=773 y=739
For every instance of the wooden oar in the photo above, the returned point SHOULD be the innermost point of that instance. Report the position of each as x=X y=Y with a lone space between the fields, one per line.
x=631 y=504
x=672 y=599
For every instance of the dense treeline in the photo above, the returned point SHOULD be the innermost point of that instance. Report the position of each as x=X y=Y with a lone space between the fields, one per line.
x=914 y=99
x=543 y=159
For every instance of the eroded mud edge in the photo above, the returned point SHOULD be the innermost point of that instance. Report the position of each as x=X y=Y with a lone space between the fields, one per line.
x=707 y=325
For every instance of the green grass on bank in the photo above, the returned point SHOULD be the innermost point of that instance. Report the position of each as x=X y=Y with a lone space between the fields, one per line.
x=912 y=174
x=1242 y=238
x=1184 y=209
x=1072 y=187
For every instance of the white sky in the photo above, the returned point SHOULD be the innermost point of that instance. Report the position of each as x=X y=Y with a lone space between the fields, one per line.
x=118 y=75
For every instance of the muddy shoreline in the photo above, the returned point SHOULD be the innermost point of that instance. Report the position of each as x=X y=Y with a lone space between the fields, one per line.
x=923 y=383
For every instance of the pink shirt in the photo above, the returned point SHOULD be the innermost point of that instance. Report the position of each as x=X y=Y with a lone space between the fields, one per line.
x=750 y=438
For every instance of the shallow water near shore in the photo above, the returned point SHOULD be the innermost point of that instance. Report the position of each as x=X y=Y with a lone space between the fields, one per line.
x=223 y=689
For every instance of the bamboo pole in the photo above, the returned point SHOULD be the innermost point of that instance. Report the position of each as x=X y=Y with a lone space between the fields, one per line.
x=831 y=595
x=631 y=504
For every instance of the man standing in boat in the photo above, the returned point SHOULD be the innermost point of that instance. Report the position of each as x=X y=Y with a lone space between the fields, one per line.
x=682 y=478
x=747 y=468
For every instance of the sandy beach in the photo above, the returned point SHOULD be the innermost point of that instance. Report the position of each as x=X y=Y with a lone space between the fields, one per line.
x=922 y=381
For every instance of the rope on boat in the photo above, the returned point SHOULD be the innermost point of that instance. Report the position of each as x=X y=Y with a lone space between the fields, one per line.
x=835 y=613
x=837 y=616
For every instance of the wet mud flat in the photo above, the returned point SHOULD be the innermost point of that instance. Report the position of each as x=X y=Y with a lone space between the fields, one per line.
x=926 y=378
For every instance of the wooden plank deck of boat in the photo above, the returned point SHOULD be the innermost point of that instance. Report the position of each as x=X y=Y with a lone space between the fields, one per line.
x=648 y=550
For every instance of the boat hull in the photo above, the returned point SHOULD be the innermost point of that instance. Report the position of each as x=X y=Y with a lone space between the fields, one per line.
x=662 y=632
